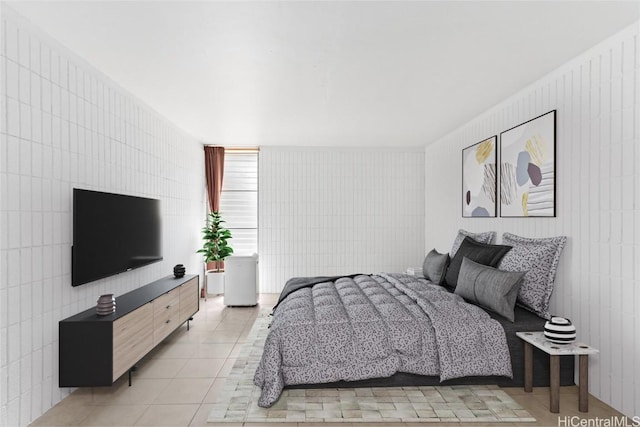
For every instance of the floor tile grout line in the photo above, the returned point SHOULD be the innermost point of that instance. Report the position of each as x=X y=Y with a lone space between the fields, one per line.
x=208 y=319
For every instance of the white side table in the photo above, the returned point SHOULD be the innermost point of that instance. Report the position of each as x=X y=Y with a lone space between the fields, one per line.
x=581 y=350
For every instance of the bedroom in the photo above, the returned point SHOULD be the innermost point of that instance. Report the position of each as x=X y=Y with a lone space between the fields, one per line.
x=597 y=205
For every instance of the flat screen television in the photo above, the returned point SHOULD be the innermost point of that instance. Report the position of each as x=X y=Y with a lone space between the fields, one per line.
x=113 y=233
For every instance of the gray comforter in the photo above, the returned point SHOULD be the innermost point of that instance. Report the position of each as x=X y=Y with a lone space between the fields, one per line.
x=374 y=326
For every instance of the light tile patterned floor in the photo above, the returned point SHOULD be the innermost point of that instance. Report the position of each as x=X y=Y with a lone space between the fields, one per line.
x=238 y=400
x=209 y=350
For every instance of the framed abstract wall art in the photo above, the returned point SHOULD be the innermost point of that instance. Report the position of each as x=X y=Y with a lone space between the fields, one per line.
x=528 y=168
x=479 y=179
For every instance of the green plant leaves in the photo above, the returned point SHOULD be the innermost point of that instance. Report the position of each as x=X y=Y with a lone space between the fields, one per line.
x=215 y=247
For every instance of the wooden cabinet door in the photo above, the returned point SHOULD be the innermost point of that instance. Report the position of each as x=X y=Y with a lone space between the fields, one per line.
x=189 y=299
x=132 y=338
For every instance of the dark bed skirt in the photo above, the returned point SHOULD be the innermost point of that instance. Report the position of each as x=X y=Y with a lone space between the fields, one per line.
x=525 y=321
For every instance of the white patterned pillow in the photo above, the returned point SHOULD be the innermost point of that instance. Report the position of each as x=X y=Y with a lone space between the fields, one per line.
x=539 y=257
x=486 y=237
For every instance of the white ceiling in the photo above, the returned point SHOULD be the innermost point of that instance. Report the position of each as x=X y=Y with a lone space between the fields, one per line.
x=388 y=73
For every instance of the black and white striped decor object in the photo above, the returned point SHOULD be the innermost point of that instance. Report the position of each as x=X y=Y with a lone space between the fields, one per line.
x=559 y=330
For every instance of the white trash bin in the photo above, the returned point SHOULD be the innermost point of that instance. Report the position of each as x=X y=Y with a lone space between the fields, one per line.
x=241 y=280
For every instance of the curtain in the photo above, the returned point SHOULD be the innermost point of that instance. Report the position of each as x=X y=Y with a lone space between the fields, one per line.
x=214 y=171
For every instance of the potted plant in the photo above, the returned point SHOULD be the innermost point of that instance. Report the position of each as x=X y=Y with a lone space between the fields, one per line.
x=215 y=249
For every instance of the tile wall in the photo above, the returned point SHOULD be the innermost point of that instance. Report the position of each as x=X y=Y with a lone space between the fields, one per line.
x=325 y=211
x=65 y=125
x=597 y=98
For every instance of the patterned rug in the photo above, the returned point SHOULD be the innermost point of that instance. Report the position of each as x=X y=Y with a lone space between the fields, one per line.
x=239 y=397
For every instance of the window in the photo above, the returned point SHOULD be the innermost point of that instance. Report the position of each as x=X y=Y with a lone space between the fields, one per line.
x=239 y=199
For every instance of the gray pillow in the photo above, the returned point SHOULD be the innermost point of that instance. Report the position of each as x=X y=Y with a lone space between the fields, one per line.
x=435 y=266
x=479 y=252
x=489 y=287
x=485 y=237
x=539 y=258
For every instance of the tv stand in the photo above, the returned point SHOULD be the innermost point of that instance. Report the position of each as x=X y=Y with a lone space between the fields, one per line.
x=96 y=350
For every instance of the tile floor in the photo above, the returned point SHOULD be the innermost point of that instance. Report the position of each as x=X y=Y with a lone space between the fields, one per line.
x=177 y=383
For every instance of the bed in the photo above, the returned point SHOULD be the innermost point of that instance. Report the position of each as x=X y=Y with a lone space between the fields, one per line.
x=396 y=330
x=525 y=321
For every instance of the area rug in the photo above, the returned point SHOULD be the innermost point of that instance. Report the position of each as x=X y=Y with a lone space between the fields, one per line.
x=238 y=399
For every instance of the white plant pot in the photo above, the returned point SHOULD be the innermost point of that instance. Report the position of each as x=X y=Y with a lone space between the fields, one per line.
x=215 y=282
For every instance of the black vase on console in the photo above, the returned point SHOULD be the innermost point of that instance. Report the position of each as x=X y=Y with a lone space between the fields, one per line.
x=179 y=270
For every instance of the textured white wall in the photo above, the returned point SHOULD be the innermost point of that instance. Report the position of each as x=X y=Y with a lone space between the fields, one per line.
x=597 y=97
x=65 y=125
x=331 y=211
